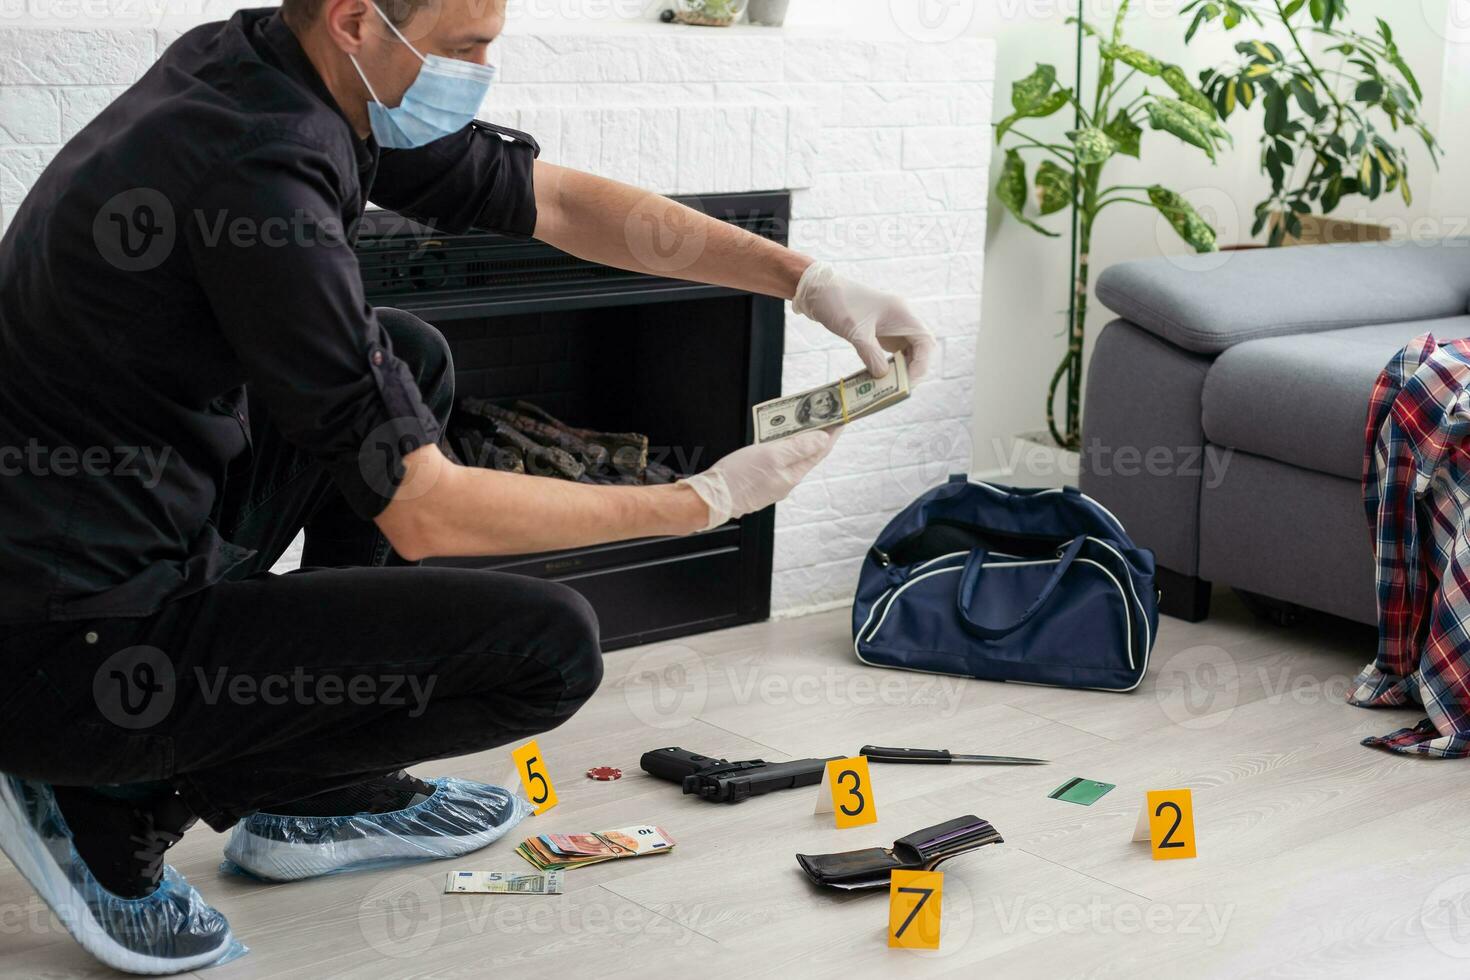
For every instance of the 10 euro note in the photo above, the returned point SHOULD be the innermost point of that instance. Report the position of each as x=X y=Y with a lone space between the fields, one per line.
x=559 y=852
x=832 y=404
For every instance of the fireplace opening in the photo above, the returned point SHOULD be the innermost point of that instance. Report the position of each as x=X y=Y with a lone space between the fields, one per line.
x=540 y=335
x=674 y=372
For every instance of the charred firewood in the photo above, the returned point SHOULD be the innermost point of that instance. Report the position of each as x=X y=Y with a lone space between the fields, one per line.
x=626 y=451
x=541 y=460
x=528 y=439
x=590 y=455
x=658 y=473
x=471 y=448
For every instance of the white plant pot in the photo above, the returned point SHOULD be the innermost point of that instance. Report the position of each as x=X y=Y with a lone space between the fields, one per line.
x=772 y=13
x=1037 y=461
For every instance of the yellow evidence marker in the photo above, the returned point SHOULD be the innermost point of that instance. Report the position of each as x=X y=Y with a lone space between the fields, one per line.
x=1167 y=823
x=847 y=793
x=531 y=767
x=914 y=906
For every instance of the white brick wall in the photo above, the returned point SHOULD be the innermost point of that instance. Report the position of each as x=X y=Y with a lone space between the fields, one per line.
x=883 y=142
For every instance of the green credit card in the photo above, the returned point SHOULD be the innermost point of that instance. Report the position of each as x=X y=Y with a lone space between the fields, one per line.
x=1079 y=790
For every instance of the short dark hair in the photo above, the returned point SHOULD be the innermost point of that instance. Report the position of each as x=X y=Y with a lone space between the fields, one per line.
x=298 y=13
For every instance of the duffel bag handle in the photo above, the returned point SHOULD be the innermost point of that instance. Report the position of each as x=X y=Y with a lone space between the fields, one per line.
x=970 y=584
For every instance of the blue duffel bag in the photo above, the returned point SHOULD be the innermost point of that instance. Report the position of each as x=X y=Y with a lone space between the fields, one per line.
x=1005 y=584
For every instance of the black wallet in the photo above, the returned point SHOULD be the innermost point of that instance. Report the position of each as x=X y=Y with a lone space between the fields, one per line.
x=922 y=850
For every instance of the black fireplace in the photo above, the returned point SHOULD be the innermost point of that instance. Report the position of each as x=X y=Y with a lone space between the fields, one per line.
x=618 y=352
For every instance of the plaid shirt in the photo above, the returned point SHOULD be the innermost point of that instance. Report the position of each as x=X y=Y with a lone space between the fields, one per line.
x=1416 y=489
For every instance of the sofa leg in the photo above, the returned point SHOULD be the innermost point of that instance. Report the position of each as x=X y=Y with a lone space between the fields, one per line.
x=1277 y=611
x=1185 y=597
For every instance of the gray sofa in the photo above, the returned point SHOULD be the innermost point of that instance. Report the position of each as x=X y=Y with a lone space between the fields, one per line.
x=1224 y=410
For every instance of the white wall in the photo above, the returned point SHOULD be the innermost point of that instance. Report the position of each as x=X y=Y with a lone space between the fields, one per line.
x=1025 y=278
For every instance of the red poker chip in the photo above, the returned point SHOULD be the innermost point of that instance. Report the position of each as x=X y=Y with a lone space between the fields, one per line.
x=604 y=774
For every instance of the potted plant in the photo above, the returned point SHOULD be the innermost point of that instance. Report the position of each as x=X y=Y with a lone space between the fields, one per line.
x=710 y=13
x=771 y=13
x=1331 y=112
x=1133 y=90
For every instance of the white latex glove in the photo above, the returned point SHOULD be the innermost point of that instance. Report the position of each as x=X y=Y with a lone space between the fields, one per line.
x=875 y=323
x=758 y=476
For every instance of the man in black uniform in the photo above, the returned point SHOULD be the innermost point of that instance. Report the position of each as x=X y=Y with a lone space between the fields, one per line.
x=189 y=376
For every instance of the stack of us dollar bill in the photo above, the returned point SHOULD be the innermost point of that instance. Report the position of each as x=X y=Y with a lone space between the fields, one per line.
x=503 y=883
x=842 y=401
x=558 y=852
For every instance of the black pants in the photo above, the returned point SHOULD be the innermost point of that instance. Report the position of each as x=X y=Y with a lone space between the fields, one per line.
x=268 y=688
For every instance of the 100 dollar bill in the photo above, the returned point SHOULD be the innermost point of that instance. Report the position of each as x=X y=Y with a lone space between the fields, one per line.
x=503 y=883
x=832 y=404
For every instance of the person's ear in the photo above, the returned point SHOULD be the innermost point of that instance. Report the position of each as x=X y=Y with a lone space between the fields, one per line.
x=345 y=22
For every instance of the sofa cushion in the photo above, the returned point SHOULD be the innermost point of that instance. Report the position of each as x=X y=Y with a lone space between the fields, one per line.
x=1209 y=303
x=1303 y=399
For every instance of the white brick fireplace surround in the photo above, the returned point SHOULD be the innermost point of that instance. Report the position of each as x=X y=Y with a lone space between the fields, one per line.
x=883 y=142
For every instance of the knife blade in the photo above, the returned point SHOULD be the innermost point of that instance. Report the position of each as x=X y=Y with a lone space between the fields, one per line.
x=878 y=753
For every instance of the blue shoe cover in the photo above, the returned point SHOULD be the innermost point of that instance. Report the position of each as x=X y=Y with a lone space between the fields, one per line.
x=460 y=817
x=170 y=931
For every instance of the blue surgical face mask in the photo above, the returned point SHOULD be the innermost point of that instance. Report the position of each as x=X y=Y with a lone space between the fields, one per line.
x=442 y=100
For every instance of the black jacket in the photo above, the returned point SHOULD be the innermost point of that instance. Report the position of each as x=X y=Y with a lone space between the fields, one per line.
x=191 y=244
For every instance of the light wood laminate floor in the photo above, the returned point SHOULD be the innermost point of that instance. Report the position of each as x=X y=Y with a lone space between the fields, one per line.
x=1317 y=857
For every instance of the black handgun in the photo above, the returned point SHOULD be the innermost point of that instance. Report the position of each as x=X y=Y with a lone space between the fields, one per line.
x=722 y=781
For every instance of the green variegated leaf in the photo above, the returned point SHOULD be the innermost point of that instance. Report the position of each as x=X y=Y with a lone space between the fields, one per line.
x=1184 y=218
x=1133 y=58
x=1011 y=189
x=1175 y=78
x=1189 y=124
x=1125 y=134
x=1262 y=50
x=1029 y=92
x=1053 y=187
x=1044 y=108
x=1093 y=145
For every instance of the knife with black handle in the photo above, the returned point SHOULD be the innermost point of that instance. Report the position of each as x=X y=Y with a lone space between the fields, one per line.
x=878 y=753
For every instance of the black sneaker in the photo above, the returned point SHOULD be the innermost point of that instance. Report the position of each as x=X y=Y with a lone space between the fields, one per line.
x=122 y=842
x=456 y=817
x=384 y=794
x=132 y=912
